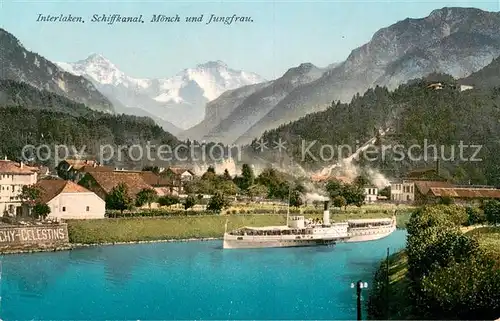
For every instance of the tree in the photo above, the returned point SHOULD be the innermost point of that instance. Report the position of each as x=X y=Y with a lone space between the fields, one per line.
x=334 y=188
x=217 y=203
x=475 y=215
x=296 y=199
x=209 y=175
x=226 y=175
x=227 y=187
x=257 y=190
x=362 y=181
x=248 y=177
x=189 y=202
x=353 y=195
x=146 y=196
x=40 y=210
x=339 y=201
x=168 y=200
x=386 y=191
x=119 y=198
x=492 y=211
x=30 y=195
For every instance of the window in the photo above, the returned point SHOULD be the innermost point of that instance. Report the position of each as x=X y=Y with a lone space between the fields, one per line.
x=64 y=209
x=88 y=208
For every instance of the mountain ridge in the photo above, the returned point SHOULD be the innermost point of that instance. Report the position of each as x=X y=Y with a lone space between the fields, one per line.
x=179 y=100
x=22 y=65
x=366 y=66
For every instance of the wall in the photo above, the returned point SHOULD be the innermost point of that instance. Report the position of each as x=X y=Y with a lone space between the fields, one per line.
x=75 y=206
x=33 y=237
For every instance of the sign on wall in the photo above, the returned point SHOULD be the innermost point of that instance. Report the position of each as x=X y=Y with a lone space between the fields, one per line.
x=45 y=234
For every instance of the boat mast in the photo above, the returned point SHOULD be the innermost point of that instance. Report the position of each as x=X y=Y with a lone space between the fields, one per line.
x=288 y=207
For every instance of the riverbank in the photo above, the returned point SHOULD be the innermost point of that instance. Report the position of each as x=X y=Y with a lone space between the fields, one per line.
x=175 y=228
x=392 y=302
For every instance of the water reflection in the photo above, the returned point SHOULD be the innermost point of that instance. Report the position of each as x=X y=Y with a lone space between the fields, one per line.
x=32 y=275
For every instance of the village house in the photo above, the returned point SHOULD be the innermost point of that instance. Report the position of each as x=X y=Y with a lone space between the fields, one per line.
x=75 y=169
x=102 y=183
x=436 y=86
x=13 y=176
x=68 y=200
x=178 y=177
x=371 y=193
x=466 y=87
x=414 y=191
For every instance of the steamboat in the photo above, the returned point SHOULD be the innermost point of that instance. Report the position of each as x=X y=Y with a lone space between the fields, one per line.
x=300 y=232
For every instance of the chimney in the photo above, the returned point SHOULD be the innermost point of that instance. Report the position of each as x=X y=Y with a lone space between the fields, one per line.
x=21 y=165
x=326 y=214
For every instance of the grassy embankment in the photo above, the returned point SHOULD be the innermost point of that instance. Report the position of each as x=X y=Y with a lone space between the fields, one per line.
x=199 y=226
x=399 y=304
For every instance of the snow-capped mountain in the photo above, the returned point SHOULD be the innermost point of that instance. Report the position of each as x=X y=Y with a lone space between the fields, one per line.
x=179 y=100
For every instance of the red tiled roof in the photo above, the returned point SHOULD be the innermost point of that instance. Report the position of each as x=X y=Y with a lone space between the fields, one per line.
x=179 y=170
x=154 y=179
x=10 y=167
x=424 y=186
x=108 y=180
x=162 y=191
x=50 y=188
x=99 y=168
x=461 y=192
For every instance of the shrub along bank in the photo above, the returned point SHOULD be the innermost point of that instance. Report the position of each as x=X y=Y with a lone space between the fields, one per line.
x=181 y=225
x=442 y=274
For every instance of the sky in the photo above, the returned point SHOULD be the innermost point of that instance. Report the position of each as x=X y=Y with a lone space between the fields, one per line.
x=283 y=34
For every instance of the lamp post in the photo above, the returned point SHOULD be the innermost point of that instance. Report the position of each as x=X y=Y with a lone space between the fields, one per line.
x=359 y=286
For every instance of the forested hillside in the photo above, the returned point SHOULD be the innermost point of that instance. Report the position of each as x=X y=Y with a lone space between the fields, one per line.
x=30 y=116
x=13 y=93
x=411 y=114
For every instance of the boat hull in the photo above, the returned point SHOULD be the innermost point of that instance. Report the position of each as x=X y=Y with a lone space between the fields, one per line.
x=249 y=243
x=369 y=234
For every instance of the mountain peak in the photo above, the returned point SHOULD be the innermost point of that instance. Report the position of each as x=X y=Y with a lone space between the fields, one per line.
x=448 y=13
x=96 y=57
x=213 y=64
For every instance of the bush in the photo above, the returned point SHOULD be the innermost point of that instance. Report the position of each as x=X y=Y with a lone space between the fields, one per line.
x=451 y=277
x=475 y=216
x=492 y=211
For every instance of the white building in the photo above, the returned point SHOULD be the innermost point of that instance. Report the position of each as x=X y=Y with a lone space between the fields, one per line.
x=371 y=194
x=13 y=176
x=465 y=87
x=403 y=191
x=68 y=200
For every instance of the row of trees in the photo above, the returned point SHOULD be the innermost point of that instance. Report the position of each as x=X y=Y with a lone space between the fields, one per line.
x=120 y=199
x=450 y=276
x=268 y=184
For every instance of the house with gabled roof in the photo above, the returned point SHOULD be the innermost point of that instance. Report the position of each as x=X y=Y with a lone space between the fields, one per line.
x=178 y=177
x=75 y=169
x=102 y=183
x=68 y=200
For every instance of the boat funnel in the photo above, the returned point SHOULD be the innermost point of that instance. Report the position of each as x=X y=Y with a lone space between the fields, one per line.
x=326 y=214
